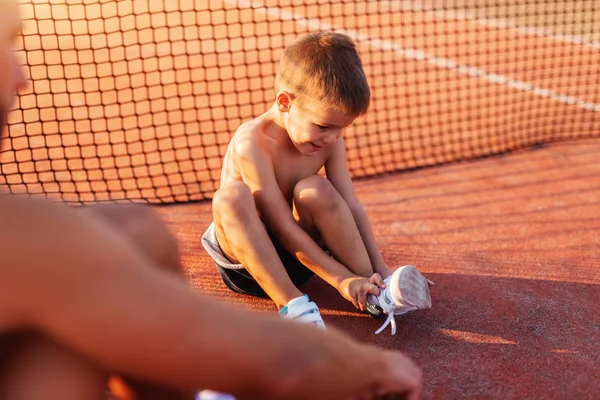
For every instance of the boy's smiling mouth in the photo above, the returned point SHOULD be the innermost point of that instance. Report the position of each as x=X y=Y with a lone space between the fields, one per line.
x=315 y=147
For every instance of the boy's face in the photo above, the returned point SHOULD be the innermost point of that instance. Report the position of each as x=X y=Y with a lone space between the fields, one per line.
x=312 y=127
x=11 y=72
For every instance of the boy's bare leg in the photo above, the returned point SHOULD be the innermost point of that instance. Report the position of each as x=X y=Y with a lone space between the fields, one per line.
x=41 y=368
x=244 y=239
x=322 y=212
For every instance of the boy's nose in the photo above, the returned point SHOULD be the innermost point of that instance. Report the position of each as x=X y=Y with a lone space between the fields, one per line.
x=327 y=140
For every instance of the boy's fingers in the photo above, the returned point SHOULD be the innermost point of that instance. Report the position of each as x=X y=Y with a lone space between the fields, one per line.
x=376 y=279
x=362 y=300
x=374 y=290
x=355 y=302
x=381 y=283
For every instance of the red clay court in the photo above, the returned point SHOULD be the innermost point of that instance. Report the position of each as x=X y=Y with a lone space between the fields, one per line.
x=477 y=162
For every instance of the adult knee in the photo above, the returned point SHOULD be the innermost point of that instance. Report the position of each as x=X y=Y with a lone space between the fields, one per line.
x=232 y=200
x=140 y=224
x=316 y=194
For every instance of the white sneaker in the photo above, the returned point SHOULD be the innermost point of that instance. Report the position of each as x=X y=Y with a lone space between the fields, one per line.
x=406 y=290
x=210 y=395
x=303 y=310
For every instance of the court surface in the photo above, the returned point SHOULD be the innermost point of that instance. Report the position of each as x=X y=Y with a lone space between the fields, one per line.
x=513 y=245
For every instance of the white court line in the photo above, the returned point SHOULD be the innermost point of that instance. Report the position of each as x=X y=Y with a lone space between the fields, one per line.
x=415 y=5
x=420 y=55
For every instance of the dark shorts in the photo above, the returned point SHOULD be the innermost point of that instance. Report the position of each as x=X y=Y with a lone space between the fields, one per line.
x=238 y=279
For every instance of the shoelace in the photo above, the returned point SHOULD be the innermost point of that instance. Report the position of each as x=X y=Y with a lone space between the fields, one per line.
x=391 y=309
x=390 y=319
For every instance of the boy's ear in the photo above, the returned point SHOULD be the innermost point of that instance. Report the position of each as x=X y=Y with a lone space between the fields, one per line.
x=284 y=101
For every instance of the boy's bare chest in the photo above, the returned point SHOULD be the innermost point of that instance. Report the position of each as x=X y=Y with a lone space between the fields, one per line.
x=289 y=170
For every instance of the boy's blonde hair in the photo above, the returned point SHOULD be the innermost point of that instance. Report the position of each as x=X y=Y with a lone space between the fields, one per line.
x=325 y=67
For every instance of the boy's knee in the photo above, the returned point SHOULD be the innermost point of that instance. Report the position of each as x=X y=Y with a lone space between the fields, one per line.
x=145 y=229
x=317 y=193
x=233 y=199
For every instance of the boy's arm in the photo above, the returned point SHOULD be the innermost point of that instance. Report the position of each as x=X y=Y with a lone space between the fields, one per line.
x=72 y=278
x=257 y=172
x=339 y=176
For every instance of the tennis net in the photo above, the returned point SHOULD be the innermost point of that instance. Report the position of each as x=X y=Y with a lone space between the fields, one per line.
x=137 y=100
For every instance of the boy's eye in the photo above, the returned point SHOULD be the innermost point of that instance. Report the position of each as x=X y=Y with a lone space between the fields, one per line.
x=322 y=128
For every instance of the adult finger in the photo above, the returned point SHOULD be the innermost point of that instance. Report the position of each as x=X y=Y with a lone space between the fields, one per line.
x=404 y=376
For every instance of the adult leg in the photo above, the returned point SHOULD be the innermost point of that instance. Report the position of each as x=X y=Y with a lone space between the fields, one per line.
x=147 y=231
x=32 y=356
x=141 y=225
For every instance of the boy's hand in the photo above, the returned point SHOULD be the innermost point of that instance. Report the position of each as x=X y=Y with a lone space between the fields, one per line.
x=377 y=280
x=355 y=289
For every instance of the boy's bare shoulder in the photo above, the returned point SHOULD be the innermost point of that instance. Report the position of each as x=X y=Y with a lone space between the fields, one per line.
x=249 y=139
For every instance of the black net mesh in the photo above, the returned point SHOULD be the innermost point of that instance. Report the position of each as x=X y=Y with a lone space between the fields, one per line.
x=137 y=100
